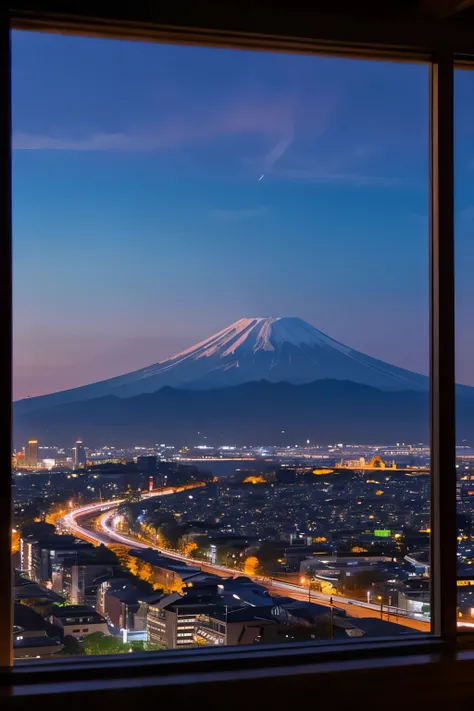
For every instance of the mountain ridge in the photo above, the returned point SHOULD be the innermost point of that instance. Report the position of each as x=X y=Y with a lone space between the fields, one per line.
x=277 y=349
x=258 y=413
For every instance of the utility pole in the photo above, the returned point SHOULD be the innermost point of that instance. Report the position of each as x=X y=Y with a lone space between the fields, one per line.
x=331 y=623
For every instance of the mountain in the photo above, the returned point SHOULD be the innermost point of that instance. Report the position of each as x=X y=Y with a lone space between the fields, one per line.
x=252 y=413
x=273 y=349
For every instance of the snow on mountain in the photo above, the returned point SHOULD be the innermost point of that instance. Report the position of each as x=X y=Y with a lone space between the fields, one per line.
x=251 y=349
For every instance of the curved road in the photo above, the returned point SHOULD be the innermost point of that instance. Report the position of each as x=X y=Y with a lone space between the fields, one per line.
x=108 y=535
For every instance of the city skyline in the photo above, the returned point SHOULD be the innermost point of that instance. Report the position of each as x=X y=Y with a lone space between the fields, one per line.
x=142 y=223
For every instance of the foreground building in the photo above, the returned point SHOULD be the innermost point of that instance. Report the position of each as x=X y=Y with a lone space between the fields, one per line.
x=78 y=620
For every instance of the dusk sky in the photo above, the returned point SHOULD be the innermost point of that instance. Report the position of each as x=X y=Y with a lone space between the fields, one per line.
x=140 y=224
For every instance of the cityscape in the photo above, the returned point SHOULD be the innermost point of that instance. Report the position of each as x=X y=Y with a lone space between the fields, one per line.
x=170 y=548
x=221 y=429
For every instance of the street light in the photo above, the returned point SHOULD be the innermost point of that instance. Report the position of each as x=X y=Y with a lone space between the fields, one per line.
x=368 y=596
x=303 y=581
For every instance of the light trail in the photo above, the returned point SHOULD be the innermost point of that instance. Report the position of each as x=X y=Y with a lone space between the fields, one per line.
x=109 y=535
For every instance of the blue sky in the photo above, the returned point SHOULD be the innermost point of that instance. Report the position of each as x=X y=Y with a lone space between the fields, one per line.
x=140 y=224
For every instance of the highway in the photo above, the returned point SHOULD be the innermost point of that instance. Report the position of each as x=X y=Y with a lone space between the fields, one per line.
x=108 y=535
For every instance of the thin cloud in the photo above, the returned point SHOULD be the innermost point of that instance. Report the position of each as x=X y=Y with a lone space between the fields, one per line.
x=248 y=115
x=277 y=151
x=96 y=142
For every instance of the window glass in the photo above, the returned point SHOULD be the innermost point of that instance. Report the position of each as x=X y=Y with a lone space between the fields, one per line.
x=464 y=256
x=221 y=417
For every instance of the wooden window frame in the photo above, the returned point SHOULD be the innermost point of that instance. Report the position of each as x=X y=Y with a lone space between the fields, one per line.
x=440 y=44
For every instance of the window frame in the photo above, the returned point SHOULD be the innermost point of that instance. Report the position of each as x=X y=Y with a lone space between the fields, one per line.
x=438 y=44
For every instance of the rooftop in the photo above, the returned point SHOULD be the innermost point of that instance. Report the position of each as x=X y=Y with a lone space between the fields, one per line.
x=73 y=611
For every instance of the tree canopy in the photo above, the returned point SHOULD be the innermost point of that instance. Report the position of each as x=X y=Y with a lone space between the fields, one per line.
x=100 y=643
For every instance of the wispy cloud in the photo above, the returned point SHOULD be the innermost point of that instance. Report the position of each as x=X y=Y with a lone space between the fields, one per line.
x=96 y=142
x=270 y=116
x=344 y=164
x=276 y=118
x=277 y=151
x=236 y=215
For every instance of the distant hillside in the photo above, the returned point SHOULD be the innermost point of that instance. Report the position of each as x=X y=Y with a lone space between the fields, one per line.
x=253 y=413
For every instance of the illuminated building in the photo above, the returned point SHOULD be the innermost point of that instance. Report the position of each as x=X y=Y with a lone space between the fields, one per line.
x=78 y=620
x=173 y=625
x=79 y=455
x=21 y=458
x=32 y=457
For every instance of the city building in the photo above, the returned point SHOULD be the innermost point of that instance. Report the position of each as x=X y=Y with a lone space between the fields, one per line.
x=33 y=595
x=78 y=620
x=122 y=600
x=42 y=556
x=81 y=571
x=242 y=625
x=169 y=573
x=32 y=454
x=171 y=620
x=32 y=635
x=79 y=455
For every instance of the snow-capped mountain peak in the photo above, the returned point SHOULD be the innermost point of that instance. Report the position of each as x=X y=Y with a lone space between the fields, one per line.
x=258 y=334
x=251 y=349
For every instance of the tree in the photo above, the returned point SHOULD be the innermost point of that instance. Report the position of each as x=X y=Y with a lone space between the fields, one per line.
x=177 y=586
x=138 y=567
x=100 y=643
x=72 y=645
x=327 y=588
x=270 y=555
x=122 y=553
x=128 y=510
x=148 y=531
x=56 y=511
x=141 y=646
x=251 y=565
x=188 y=547
x=133 y=497
x=170 y=533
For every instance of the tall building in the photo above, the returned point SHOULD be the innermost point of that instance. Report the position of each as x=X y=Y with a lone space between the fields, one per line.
x=32 y=457
x=79 y=455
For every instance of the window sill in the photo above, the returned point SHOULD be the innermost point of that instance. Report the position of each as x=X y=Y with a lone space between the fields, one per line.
x=379 y=672
x=161 y=667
